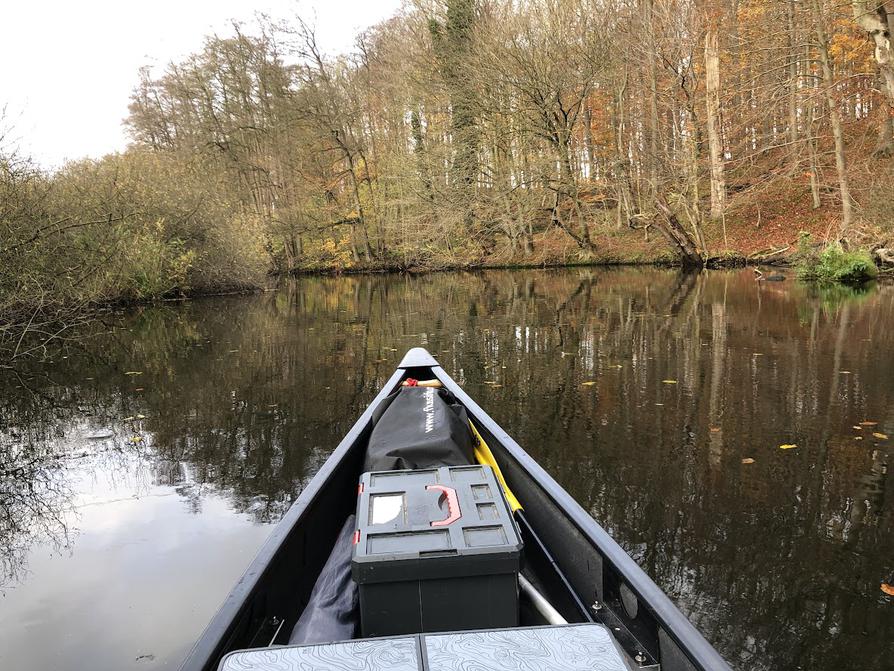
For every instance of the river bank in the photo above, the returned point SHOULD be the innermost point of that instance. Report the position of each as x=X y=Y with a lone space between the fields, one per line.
x=754 y=233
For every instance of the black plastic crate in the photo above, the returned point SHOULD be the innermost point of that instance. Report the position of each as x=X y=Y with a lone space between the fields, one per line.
x=435 y=550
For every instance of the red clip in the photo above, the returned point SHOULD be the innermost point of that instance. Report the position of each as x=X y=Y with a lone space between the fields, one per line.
x=453 y=511
x=356 y=537
x=411 y=382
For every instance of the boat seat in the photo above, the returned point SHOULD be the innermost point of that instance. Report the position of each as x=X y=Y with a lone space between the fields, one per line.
x=573 y=647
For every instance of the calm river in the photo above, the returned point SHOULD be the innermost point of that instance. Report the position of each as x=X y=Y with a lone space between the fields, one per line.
x=142 y=467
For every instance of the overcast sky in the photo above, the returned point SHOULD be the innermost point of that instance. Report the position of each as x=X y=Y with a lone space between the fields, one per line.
x=67 y=67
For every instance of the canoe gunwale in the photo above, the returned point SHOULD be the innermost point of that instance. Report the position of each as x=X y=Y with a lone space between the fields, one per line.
x=213 y=642
x=677 y=626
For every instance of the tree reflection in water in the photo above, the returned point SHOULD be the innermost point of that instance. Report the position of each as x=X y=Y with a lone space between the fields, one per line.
x=778 y=562
x=34 y=499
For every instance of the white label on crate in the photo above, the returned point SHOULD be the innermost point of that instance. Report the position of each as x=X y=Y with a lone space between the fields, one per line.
x=385 y=507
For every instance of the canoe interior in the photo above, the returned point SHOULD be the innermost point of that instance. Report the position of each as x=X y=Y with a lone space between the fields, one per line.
x=580 y=569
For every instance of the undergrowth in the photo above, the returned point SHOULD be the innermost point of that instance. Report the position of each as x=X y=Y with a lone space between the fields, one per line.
x=835 y=264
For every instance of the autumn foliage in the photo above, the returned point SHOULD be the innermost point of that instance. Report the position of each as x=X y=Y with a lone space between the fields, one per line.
x=464 y=132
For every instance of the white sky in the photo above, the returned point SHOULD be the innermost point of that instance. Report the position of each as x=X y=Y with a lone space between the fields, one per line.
x=67 y=67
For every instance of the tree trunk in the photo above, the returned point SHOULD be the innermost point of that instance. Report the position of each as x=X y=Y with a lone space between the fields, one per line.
x=588 y=140
x=873 y=17
x=620 y=169
x=453 y=47
x=884 y=148
x=676 y=235
x=811 y=140
x=814 y=168
x=653 y=101
x=569 y=185
x=792 y=81
x=690 y=149
x=528 y=241
x=715 y=144
x=834 y=118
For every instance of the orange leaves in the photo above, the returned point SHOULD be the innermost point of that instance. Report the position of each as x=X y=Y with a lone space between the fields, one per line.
x=888 y=589
x=752 y=12
x=849 y=51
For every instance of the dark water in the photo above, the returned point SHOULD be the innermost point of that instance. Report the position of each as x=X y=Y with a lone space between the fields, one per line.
x=116 y=549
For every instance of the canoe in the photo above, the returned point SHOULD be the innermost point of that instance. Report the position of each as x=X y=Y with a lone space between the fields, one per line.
x=575 y=563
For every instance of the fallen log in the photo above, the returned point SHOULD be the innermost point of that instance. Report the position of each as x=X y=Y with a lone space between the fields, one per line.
x=883 y=256
x=766 y=255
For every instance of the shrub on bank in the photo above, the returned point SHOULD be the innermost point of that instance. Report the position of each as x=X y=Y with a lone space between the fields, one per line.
x=835 y=264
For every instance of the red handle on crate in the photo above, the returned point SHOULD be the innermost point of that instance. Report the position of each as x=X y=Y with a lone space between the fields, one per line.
x=453 y=511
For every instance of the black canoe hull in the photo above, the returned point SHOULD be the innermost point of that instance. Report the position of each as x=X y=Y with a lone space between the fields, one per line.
x=583 y=571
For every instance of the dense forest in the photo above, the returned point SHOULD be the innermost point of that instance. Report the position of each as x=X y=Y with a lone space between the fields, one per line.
x=472 y=132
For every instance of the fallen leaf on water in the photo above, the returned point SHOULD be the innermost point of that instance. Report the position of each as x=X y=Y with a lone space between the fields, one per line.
x=141 y=416
x=844 y=372
x=134 y=372
x=136 y=439
x=858 y=437
x=857 y=428
x=128 y=419
x=715 y=429
x=588 y=384
x=669 y=381
x=138 y=389
x=868 y=423
x=747 y=460
x=616 y=365
x=880 y=436
x=496 y=386
x=788 y=446
x=888 y=589
x=232 y=351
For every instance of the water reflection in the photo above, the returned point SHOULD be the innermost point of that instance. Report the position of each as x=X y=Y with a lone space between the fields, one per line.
x=225 y=407
x=34 y=497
